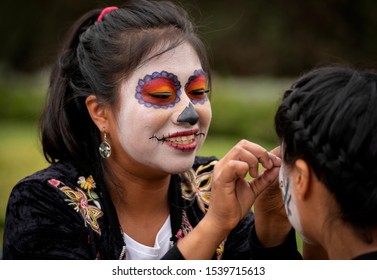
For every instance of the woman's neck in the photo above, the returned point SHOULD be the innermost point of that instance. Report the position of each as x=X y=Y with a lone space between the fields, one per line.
x=141 y=202
x=137 y=193
x=344 y=243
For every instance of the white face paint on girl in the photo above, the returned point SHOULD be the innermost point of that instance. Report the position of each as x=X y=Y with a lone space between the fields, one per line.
x=151 y=128
x=289 y=199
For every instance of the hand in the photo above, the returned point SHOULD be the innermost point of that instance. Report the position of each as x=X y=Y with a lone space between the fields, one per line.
x=271 y=222
x=231 y=197
x=232 y=194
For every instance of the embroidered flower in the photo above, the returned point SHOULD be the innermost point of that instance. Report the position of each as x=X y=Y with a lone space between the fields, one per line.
x=86 y=184
x=196 y=184
x=54 y=182
x=89 y=185
x=81 y=199
x=185 y=226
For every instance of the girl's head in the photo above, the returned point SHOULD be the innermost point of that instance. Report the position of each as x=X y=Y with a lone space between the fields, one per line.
x=99 y=60
x=328 y=120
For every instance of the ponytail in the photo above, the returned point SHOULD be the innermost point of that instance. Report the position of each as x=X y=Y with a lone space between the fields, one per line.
x=65 y=113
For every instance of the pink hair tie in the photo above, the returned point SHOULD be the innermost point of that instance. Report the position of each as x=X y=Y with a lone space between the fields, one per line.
x=106 y=11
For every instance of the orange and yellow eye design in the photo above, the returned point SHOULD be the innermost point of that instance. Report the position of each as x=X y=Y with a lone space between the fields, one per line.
x=159 y=90
x=197 y=88
x=162 y=89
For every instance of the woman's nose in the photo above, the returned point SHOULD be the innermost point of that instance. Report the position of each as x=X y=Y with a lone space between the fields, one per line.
x=188 y=115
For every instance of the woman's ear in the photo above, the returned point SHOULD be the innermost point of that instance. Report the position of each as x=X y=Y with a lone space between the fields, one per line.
x=98 y=112
x=301 y=178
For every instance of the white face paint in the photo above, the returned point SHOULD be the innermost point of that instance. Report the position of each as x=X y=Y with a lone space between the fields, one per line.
x=148 y=129
x=289 y=199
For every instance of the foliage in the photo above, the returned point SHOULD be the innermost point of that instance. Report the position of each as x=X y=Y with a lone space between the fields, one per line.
x=245 y=107
x=22 y=96
x=245 y=37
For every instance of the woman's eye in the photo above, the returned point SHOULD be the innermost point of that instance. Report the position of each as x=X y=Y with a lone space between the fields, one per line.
x=161 y=95
x=158 y=90
x=196 y=87
x=198 y=94
x=160 y=98
x=198 y=91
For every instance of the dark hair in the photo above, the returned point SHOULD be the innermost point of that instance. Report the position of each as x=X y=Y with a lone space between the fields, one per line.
x=96 y=57
x=329 y=119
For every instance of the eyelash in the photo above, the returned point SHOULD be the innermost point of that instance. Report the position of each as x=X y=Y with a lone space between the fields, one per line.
x=162 y=95
x=199 y=91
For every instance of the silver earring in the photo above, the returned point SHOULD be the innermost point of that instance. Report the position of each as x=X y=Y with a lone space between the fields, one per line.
x=104 y=147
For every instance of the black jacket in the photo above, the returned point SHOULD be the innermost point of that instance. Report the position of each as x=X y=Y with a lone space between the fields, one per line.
x=63 y=213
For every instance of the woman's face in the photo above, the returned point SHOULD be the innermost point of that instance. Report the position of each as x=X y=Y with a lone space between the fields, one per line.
x=164 y=112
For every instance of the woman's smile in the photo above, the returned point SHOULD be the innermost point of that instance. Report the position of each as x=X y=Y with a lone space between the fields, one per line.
x=184 y=141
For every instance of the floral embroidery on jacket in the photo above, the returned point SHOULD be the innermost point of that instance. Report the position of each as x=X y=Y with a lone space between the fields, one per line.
x=79 y=199
x=185 y=226
x=196 y=185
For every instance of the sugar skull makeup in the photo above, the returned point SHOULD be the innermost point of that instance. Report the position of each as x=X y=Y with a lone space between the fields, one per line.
x=159 y=90
x=162 y=90
x=196 y=87
x=289 y=199
x=158 y=125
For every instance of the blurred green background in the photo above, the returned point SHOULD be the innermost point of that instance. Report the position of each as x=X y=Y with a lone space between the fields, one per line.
x=257 y=49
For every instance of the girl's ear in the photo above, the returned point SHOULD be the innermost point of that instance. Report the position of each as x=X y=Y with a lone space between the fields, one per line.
x=301 y=176
x=98 y=112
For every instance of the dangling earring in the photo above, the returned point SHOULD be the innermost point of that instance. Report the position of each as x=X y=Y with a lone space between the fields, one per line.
x=104 y=147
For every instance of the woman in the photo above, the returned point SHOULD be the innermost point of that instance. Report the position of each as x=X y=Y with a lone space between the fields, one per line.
x=327 y=124
x=128 y=108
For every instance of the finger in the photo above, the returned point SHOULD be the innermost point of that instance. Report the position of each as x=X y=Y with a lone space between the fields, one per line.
x=275 y=159
x=246 y=196
x=231 y=170
x=263 y=156
x=276 y=151
x=239 y=153
x=267 y=178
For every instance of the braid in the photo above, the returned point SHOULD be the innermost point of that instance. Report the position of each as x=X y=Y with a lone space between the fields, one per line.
x=328 y=118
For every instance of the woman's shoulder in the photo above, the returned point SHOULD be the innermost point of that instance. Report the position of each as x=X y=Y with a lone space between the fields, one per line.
x=49 y=214
x=64 y=171
x=49 y=186
x=57 y=187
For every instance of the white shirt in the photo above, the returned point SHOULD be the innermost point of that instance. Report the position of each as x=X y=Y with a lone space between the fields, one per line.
x=138 y=251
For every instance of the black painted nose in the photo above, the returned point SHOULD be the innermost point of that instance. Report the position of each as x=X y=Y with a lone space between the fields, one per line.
x=189 y=115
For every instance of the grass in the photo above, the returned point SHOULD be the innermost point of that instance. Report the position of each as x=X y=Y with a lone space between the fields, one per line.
x=20 y=156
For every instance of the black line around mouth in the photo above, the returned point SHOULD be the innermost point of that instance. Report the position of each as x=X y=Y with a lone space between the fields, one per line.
x=164 y=138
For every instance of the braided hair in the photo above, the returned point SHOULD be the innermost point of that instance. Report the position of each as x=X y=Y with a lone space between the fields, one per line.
x=329 y=119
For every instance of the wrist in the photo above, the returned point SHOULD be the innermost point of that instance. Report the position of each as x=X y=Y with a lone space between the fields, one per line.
x=201 y=243
x=271 y=231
